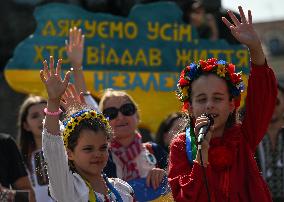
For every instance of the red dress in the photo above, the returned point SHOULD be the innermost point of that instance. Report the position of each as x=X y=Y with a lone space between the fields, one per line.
x=238 y=179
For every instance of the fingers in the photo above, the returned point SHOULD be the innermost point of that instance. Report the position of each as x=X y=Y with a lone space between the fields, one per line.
x=82 y=41
x=82 y=99
x=73 y=91
x=234 y=18
x=242 y=14
x=78 y=36
x=227 y=23
x=66 y=79
x=155 y=177
x=45 y=69
x=41 y=73
x=51 y=65
x=58 y=67
x=200 y=121
x=249 y=17
x=148 y=179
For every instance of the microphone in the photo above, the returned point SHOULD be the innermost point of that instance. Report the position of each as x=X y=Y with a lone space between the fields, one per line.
x=204 y=129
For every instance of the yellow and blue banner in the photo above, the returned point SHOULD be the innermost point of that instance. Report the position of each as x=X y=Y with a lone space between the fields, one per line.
x=142 y=53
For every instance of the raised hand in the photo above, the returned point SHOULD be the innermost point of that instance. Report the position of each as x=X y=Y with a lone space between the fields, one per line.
x=243 y=30
x=71 y=98
x=51 y=78
x=75 y=47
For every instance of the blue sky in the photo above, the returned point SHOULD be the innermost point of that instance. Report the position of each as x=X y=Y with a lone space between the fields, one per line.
x=262 y=10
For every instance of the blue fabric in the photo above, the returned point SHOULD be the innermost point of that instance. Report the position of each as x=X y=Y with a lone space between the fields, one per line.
x=188 y=145
x=144 y=193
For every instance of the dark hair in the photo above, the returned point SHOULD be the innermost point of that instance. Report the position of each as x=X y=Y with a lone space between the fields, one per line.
x=233 y=118
x=94 y=124
x=166 y=125
x=25 y=138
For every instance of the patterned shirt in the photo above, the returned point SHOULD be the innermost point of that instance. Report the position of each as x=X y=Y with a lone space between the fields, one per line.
x=272 y=167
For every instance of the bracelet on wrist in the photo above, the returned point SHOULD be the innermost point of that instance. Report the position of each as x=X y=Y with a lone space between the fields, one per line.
x=52 y=113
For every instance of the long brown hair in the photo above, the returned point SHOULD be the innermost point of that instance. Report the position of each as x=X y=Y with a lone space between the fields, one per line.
x=25 y=138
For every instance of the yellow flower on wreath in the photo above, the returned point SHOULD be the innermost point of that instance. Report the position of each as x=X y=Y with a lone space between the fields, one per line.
x=221 y=70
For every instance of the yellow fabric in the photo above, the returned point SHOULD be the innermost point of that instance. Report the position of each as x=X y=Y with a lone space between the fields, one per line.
x=165 y=198
x=92 y=197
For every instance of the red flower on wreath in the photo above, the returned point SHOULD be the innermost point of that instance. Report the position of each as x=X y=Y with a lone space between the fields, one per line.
x=212 y=61
x=235 y=78
x=183 y=82
x=231 y=68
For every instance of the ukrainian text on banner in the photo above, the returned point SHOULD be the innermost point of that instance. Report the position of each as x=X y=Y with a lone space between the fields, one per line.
x=142 y=54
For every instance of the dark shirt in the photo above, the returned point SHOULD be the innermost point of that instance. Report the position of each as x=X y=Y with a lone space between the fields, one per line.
x=271 y=163
x=11 y=162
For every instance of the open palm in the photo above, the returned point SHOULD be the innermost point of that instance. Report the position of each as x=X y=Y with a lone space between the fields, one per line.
x=242 y=30
x=75 y=47
x=51 y=78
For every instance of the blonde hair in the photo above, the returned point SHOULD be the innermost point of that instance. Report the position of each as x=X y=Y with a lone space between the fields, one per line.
x=110 y=93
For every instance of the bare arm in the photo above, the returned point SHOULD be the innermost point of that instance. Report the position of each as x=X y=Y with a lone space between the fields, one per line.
x=55 y=88
x=75 y=50
x=23 y=183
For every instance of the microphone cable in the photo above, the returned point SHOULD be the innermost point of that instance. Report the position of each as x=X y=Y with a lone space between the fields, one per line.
x=204 y=174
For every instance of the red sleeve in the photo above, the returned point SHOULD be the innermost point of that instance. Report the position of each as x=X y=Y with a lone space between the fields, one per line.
x=185 y=179
x=260 y=103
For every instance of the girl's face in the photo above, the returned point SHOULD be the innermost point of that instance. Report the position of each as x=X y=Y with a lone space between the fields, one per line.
x=124 y=125
x=210 y=95
x=33 y=122
x=90 y=155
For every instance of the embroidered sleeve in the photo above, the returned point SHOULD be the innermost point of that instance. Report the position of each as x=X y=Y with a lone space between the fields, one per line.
x=64 y=186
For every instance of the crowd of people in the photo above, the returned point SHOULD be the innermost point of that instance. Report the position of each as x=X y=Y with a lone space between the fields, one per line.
x=72 y=148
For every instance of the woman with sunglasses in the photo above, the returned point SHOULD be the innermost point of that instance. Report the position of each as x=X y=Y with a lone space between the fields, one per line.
x=130 y=159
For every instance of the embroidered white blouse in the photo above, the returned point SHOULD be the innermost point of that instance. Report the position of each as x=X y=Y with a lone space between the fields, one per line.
x=66 y=186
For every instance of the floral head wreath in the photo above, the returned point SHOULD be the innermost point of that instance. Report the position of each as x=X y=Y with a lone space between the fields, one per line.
x=221 y=68
x=77 y=117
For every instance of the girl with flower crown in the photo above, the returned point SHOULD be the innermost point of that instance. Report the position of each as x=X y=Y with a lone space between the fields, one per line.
x=140 y=164
x=77 y=153
x=221 y=166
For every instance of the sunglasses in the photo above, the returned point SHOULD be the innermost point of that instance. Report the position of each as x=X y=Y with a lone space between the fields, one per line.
x=127 y=109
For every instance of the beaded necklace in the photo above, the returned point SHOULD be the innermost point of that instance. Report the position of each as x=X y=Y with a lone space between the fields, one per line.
x=110 y=189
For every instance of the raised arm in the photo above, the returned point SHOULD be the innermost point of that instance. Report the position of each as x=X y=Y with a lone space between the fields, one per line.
x=55 y=88
x=244 y=32
x=261 y=84
x=75 y=50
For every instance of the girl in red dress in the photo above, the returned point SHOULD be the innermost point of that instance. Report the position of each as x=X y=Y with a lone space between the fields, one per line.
x=222 y=167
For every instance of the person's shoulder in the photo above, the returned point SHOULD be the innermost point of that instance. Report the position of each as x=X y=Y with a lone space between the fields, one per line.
x=180 y=138
x=4 y=137
x=178 y=141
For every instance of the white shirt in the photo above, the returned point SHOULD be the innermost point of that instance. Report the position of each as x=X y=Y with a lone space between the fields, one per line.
x=66 y=186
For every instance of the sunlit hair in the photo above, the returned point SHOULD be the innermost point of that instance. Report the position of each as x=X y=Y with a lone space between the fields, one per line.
x=219 y=68
x=25 y=138
x=166 y=125
x=84 y=119
x=111 y=93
